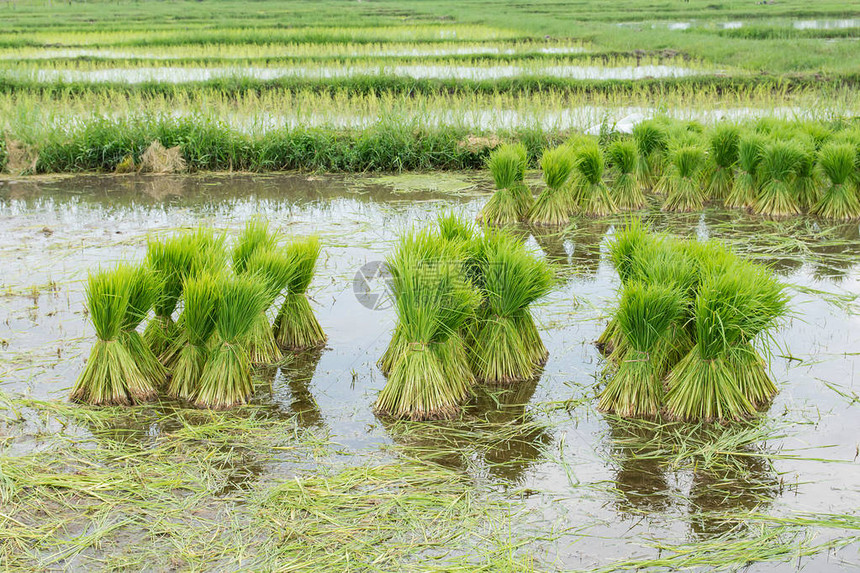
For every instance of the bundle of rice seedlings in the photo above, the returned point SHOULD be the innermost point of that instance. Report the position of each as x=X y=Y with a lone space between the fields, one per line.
x=720 y=379
x=745 y=186
x=722 y=157
x=622 y=156
x=226 y=379
x=170 y=259
x=645 y=314
x=143 y=290
x=552 y=206
x=505 y=344
x=651 y=143
x=201 y=305
x=512 y=199
x=597 y=200
x=776 y=195
x=839 y=200
x=296 y=327
x=807 y=183
x=433 y=301
x=274 y=268
x=111 y=375
x=256 y=236
x=452 y=227
x=682 y=181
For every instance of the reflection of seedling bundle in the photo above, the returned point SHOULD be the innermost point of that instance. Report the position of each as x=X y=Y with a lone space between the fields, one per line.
x=512 y=199
x=688 y=320
x=552 y=207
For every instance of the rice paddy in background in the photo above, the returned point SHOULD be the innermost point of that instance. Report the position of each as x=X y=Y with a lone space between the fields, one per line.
x=307 y=476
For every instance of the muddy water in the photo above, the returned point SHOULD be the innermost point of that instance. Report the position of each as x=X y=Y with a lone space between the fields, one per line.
x=611 y=502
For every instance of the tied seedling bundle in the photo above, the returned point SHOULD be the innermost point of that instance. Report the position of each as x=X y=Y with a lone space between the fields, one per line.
x=201 y=307
x=652 y=143
x=777 y=194
x=296 y=327
x=745 y=185
x=143 y=290
x=512 y=199
x=722 y=158
x=274 y=268
x=682 y=181
x=839 y=200
x=595 y=197
x=552 y=207
x=622 y=157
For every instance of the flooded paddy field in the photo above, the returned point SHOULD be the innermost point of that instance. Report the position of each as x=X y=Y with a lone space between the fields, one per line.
x=306 y=477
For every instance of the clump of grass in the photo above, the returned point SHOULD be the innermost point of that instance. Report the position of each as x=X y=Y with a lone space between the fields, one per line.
x=274 y=268
x=552 y=206
x=839 y=200
x=512 y=199
x=646 y=314
x=296 y=327
x=651 y=143
x=627 y=191
x=111 y=375
x=201 y=307
x=722 y=157
x=682 y=181
x=776 y=195
x=142 y=293
x=433 y=302
x=596 y=198
x=226 y=378
x=505 y=345
x=745 y=185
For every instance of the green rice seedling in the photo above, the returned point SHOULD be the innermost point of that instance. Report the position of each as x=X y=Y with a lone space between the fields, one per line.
x=505 y=344
x=597 y=200
x=512 y=199
x=651 y=143
x=255 y=236
x=712 y=383
x=552 y=206
x=776 y=194
x=839 y=200
x=817 y=132
x=433 y=302
x=682 y=181
x=745 y=185
x=274 y=268
x=111 y=375
x=226 y=378
x=807 y=182
x=627 y=191
x=201 y=294
x=143 y=290
x=452 y=227
x=722 y=157
x=170 y=259
x=296 y=327
x=646 y=314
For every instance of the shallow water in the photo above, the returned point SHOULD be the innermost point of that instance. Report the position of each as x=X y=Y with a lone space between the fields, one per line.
x=610 y=502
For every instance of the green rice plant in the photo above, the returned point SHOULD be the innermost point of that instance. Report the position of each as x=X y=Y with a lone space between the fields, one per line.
x=552 y=208
x=111 y=375
x=839 y=200
x=597 y=200
x=807 y=181
x=646 y=314
x=433 y=301
x=722 y=157
x=201 y=294
x=505 y=345
x=143 y=290
x=681 y=182
x=274 y=268
x=453 y=227
x=712 y=382
x=627 y=191
x=512 y=199
x=256 y=236
x=226 y=378
x=776 y=194
x=745 y=186
x=652 y=142
x=170 y=259
x=296 y=327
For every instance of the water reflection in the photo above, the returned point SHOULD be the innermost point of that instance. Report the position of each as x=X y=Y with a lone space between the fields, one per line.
x=297 y=376
x=587 y=236
x=640 y=478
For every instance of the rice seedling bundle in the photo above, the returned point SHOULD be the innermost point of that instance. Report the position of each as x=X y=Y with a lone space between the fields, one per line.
x=111 y=375
x=745 y=185
x=512 y=199
x=274 y=268
x=839 y=200
x=651 y=143
x=226 y=378
x=596 y=198
x=646 y=314
x=722 y=157
x=622 y=156
x=505 y=344
x=296 y=327
x=776 y=195
x=552 y=206
x=143 y=290
x=170 y=260
x=807 y=182
x=254 y=237
x=682 y=181
x=201 y=307
x=433 y=300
